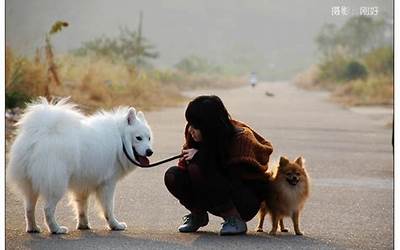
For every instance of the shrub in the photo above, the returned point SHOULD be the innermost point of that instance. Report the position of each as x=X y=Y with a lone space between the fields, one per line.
x=15 y=99
x=195 y=64
x=309 y=78
x=380 y=61
x=24 y=79
x=354 y=70
x=374 y=90
x=340 y=69
x=333 y=69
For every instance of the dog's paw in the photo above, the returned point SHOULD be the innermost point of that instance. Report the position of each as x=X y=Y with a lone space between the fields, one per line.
x=119 y=226
x=259 y=230
x=33 y=230
x=272 y=233
x=284 y=230
x=299 y=233
x=60 y=230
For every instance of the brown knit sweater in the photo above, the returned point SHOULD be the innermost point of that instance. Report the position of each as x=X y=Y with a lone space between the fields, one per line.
x=249 y=152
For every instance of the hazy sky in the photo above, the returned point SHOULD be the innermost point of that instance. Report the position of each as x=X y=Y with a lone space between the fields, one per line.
x=276 y=34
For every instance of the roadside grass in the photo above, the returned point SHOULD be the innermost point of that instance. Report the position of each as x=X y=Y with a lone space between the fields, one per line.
x=95 y=82
x=376 y=89
x=23 y=78
x=98 y=83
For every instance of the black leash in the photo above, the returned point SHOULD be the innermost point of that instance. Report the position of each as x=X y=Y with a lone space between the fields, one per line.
x=150 y=165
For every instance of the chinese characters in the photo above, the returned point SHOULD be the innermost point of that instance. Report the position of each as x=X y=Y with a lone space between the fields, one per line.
x=362 y=11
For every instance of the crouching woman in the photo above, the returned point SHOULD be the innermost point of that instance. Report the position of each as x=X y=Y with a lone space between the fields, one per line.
x=222 y=170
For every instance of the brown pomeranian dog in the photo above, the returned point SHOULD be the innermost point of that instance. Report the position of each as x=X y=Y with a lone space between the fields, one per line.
x=288 y=191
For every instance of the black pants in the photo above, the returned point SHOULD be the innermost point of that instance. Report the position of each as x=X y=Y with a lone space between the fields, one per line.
x=203 y=189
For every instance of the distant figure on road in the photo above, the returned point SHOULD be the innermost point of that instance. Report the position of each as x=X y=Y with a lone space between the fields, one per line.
x=253 y=79
x=222 y=170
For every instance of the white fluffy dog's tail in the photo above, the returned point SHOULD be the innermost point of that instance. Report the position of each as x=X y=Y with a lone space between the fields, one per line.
x=41 y=115
x=45 y=146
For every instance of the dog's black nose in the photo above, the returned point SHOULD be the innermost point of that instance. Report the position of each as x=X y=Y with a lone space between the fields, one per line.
x=149 y=152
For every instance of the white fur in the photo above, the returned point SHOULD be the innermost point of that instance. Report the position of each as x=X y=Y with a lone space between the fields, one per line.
x=58 y=149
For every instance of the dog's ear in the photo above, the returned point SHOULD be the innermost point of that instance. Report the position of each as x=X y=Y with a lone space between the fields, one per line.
x=140 y=115
x=131 y=117
x=300 y=161
x=283 y=161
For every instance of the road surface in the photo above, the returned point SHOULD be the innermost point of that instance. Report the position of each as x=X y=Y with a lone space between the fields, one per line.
x=349 y=158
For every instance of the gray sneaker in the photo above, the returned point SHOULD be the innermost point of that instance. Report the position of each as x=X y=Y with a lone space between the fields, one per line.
x=233 y=226
x=191 y=223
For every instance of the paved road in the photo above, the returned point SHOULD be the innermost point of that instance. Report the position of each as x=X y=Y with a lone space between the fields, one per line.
x=349 y=157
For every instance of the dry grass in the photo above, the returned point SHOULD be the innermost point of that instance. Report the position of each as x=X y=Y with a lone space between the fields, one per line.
x=308 y=79
x=96 y=82
x=215 y=82
x=100 y=83
x=91 y=82
x=375 y=90
x=184 y=81
x=24 y=76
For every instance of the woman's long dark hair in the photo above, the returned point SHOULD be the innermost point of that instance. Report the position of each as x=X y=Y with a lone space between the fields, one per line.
x=208 y=114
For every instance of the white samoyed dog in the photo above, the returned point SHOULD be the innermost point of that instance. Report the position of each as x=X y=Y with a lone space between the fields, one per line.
x=58 y=149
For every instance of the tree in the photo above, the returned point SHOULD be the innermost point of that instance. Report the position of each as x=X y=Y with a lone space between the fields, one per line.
x=327 y=40
x=355 y=38
x=138 y=49
x=130 y=46
x=103 y=47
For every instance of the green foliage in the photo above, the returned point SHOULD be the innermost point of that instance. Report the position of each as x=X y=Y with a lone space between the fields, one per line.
x=195 y=64
x=16 y=75
x=14 y=96
x=380 y=61
x=167 y=76
x=130 y=47
x=327 y=40
x=103 y=47
x=15 y=99
x=24 y=79
x=354 y=70
x=358 y=36
x=354 y=55
x=333 y=69
x=136 y=49
x=339 y=69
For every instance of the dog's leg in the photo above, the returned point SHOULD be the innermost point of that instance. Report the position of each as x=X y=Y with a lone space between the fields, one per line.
x=275 y=220
x=81 y=200
x=30 y=206
x=49 y=210
x=261 y=215
x=296 y=221
x=282 y=226
x=105 y=196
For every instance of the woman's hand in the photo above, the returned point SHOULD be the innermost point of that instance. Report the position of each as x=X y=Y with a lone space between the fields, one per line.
x=189 y=153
